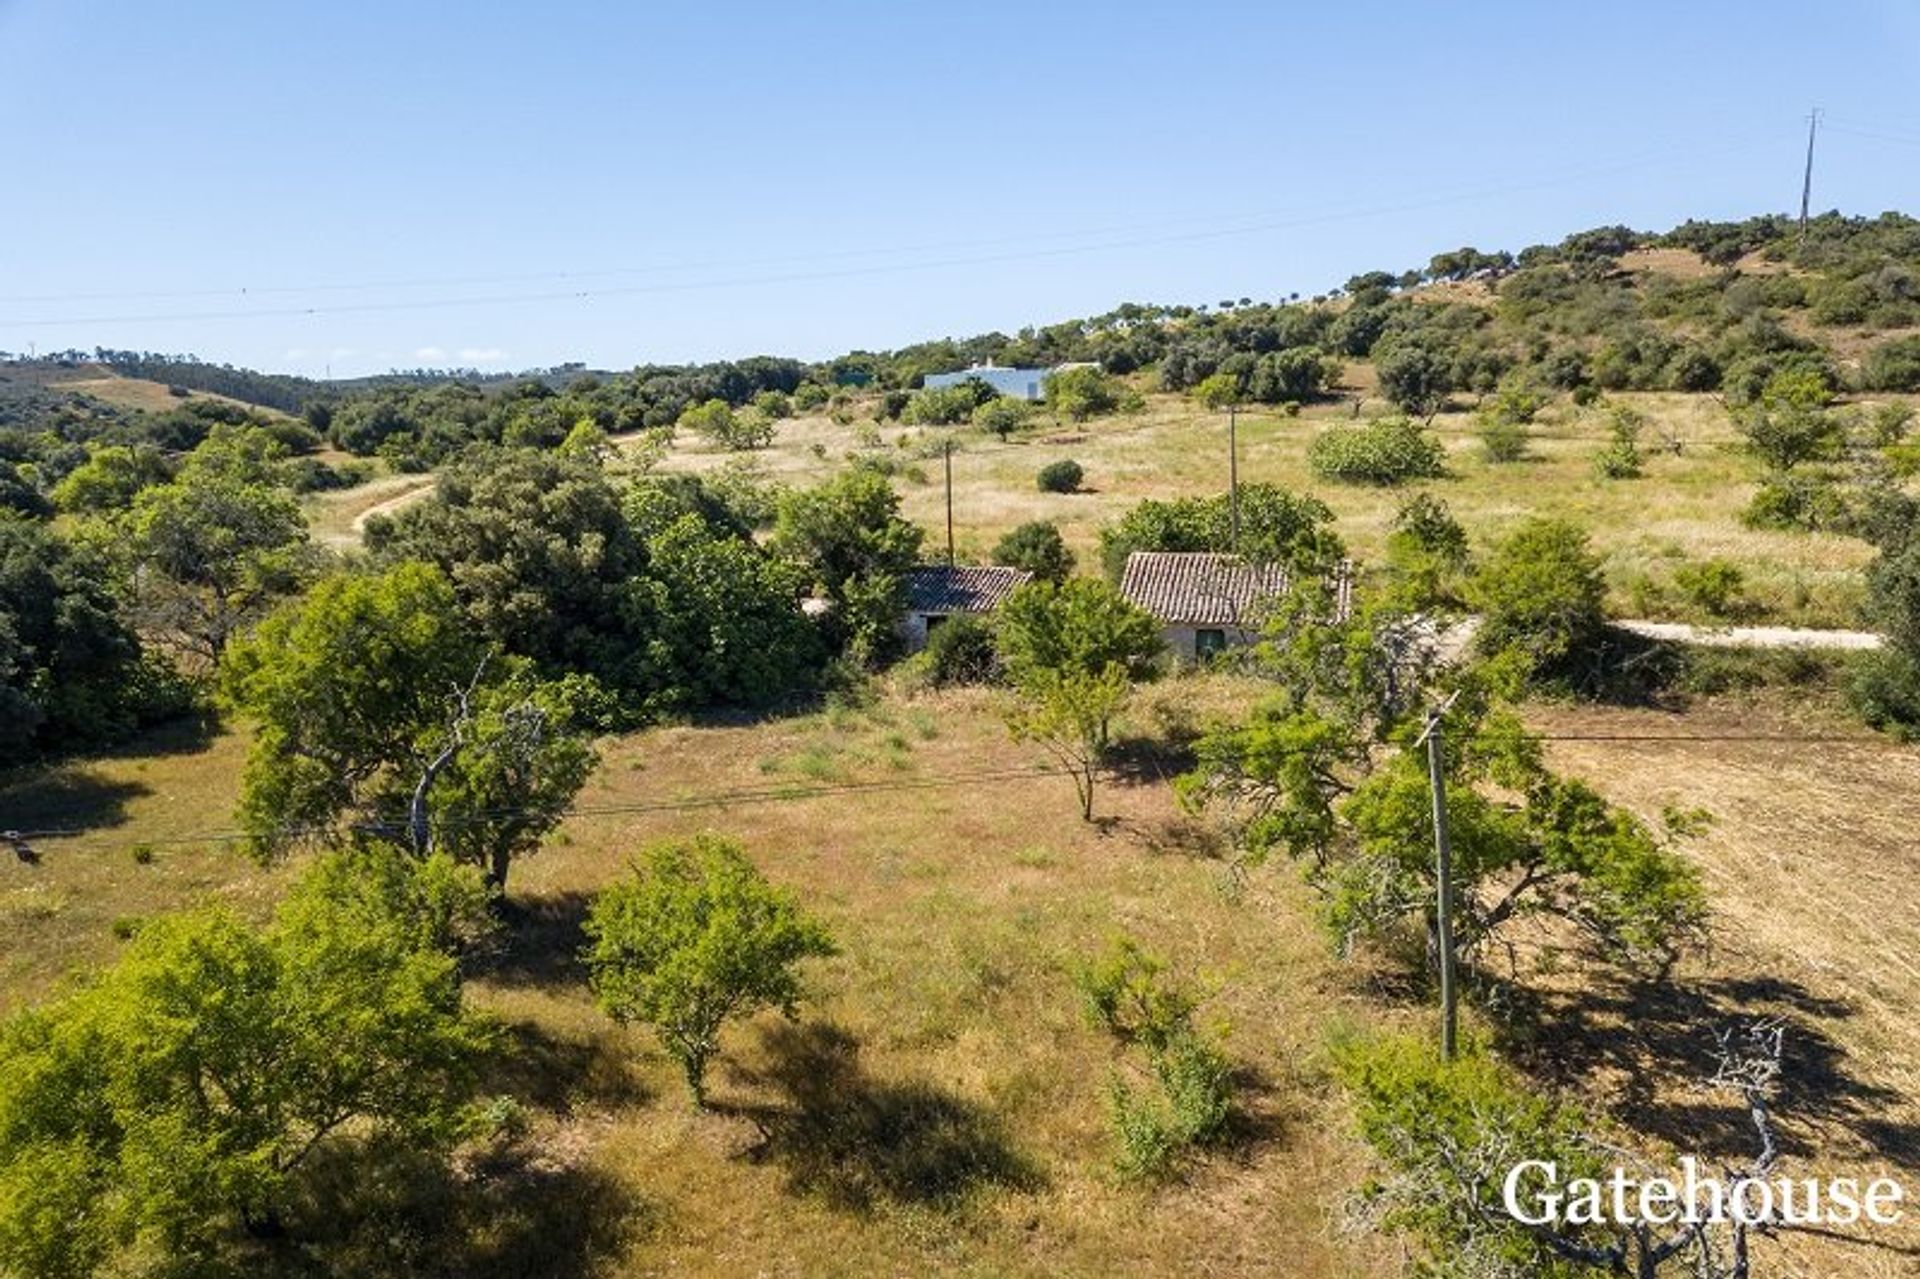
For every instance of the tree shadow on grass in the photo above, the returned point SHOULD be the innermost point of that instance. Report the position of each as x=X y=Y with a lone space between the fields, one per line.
x=67 y=797
x=858 y=1142
x=543 y=939
x=523 y=1210
x=563 y=1074
x=1655 y=1044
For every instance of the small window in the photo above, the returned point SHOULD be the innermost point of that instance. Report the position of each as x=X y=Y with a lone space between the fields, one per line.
x=933 y=620
x=1208 y=642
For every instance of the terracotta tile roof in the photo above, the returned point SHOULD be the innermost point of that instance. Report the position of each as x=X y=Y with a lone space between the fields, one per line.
x=1200 y=588
x=937 y=588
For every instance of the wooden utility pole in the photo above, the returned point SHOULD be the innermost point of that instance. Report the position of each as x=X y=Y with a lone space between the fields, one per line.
x=947 y=454
x=1233 y=478
x=1443 y=877
x=1806 y=183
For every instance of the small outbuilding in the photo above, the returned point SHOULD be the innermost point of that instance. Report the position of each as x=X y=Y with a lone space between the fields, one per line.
x=1205 y=601
x=936 y=592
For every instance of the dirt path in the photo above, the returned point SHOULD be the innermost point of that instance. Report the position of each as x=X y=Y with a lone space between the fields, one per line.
x=1751 y=636
x=390 y=506
x=339 y=518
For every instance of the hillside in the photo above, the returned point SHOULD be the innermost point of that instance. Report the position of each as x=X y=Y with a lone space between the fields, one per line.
x=625 y=607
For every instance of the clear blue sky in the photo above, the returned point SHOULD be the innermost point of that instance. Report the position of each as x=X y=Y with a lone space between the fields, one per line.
x=417 y=179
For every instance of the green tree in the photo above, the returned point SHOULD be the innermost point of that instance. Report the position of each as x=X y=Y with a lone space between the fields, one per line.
x=1218 y=391
x=71 y=674
x=1323 y=772
x=1276 y=527
x=693 y=938
x=849 y=540
x=717 y=420
x=1002 y=415
x=1085 y=392
x=1069 y=712
x=111 y=477
x=381 y=714
x=181 y=1094
x=1789 y=424
x=1294 y=375
x=1541 y=593
x=1037 y=547
x=1081 y=625
x=1414 y=378
x=212 y=551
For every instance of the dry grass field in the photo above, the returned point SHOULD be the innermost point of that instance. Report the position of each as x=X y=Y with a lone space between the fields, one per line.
x=139 y=393
x=965 y=1130
x=1686 y=507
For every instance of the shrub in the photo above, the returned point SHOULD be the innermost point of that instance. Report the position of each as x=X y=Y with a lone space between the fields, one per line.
x=1541 y=593
x=1037 y=547
x=1796 y=501
x=1620 y=459
x=1063 y=476
x=1189 y=1108
x=716 y=420
x=1426 y=1117
x=1503 y=424
x=1218 y=391
x=961 y=650
x=1715 y=586
x=1503 y=440
x=1885 y=692
x=774 y=404
x=1893 y=366
x=1188 y=1097
x=1389 y=450
x=1080 y=393
x=1002 y=415
x=947 y=405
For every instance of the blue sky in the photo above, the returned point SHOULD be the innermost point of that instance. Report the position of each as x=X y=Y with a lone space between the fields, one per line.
x=365 y=186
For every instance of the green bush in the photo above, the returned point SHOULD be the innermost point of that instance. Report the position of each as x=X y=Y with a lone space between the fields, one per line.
x=1885 y=692
x=1503 y=440
x=1063 y=476
x=961 y=650
x=1002 y=415
x=1799 y=500
x=1188 y=1108
x=1037 y=547
x=1893 y=366
x=1389 y=450
x=1186 y=1099
x=1620 y=459
x=1541 y=593
x=1716 y=586
x=1426 y=1119
x=1081 y=393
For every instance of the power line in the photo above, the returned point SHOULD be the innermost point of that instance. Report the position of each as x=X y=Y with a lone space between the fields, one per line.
x=1335 y=214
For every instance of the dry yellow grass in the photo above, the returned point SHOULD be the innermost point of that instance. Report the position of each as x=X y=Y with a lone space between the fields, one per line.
x=1686 y=507
x=141 y=393
x=960 y=908
x=338 y=517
